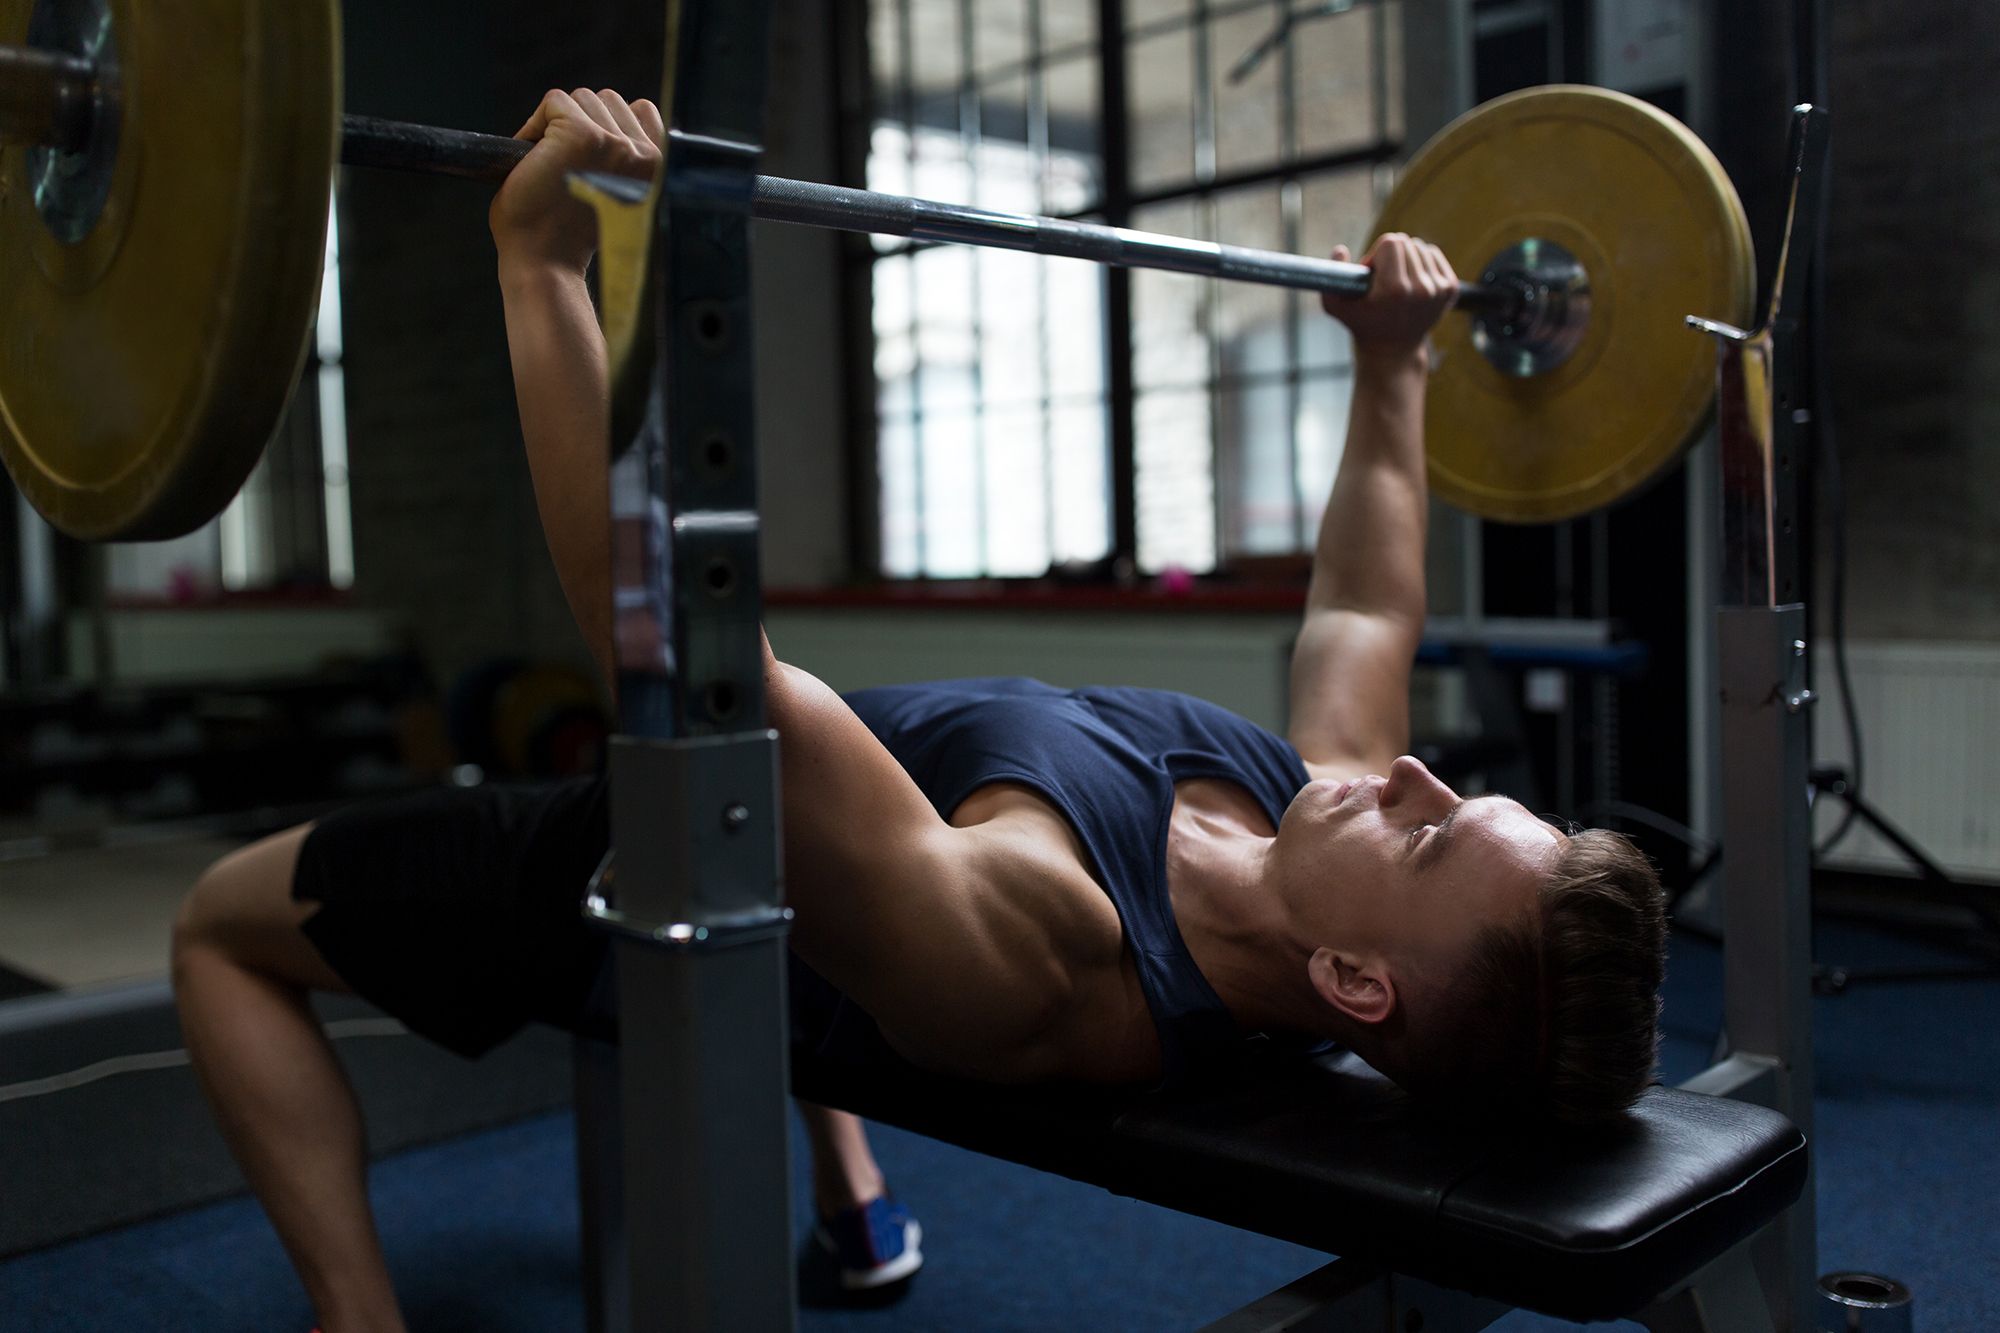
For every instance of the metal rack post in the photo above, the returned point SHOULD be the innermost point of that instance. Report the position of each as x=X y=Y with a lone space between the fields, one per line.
x=692 y=1190
x=1766 y=815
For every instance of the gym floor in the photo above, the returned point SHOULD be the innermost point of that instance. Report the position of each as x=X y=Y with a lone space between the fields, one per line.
x=54 y=934
x=482 y=1229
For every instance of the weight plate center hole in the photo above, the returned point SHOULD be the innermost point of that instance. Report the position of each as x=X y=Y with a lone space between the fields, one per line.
x=72 y=186
x=1545 y=323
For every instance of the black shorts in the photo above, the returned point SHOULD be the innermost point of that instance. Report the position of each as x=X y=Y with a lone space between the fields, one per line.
x=459 y=913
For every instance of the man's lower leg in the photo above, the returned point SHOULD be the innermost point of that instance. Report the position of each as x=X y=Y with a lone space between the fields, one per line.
x=845 y=1173
x=290 y=1118
x=242 y=974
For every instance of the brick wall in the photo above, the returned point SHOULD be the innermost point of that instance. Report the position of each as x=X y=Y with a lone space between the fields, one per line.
x=446 y=537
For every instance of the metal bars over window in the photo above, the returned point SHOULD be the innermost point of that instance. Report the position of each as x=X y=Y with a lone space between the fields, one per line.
x=1265 y=123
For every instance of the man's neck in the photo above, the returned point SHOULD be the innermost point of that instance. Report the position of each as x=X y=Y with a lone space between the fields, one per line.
x=1240 y=932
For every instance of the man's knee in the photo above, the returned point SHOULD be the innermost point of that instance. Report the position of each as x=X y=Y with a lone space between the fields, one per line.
x=205 y=913
x=241 y=909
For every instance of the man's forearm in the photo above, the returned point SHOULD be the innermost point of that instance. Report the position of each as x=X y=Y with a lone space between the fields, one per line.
x=1370 y=553
x=561 y=385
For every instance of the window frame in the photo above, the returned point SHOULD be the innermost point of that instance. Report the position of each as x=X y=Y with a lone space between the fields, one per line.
x=1118 y=201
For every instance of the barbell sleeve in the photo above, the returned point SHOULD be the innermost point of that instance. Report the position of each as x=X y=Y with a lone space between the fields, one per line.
x=45 y=94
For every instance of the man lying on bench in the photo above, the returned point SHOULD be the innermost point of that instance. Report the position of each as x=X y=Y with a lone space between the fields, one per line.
x=1005 y=880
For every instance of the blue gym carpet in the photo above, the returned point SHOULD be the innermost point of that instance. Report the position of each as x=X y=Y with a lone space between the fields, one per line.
x=481 y=1231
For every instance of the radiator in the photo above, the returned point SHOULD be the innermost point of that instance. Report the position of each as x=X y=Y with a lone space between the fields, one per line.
x=1930 y=746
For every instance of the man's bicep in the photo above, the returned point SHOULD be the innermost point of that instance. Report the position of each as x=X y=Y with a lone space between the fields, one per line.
x=1350 y=690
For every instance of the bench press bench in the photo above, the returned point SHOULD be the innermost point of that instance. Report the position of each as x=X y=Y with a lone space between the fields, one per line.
x=1328 y=1154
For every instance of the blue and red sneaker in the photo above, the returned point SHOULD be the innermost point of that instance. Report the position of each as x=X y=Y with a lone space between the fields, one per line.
x=874 y=1244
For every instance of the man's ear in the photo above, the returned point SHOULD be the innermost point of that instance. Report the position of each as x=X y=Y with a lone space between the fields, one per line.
x=1359 y=987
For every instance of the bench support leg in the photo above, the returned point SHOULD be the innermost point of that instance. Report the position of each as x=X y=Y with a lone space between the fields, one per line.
x=1724 y=1297
x=1349 y=1296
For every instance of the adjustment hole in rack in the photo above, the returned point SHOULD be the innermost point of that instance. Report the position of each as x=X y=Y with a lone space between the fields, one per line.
x=717 y=455
x=711 y=326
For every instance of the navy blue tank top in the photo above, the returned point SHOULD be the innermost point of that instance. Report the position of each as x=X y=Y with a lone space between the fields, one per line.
x=1107 y=758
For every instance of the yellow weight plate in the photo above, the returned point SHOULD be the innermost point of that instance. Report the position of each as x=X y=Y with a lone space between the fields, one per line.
x=1652 y=217
x=144 y=366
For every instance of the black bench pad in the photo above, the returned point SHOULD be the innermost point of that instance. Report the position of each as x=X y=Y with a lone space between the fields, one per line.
x=1330 y=1155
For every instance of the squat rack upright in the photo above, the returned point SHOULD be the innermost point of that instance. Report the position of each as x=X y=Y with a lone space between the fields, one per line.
x=683 y=1140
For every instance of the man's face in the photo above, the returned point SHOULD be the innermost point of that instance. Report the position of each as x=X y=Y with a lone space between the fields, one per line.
x=1403 y=868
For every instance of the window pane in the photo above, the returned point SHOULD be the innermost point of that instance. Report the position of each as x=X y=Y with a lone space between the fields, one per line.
x=1142 y=13
x=1074 y=331
x=940 y=168
x=895 y=325
x=1160 y=91
x=1250 y=318
x=1334 y=64
x=985 y=356
x=1169 y=310
x=897 y=459
x=1322 y=432
x=1176 y=485
x=1003 y=171
x=1070 y=88
x=1012 y=352
x=945 y=342
x=885 y=55
x=1254 y=446
x=935 y=60
x=1389 y=38
x=1016 y=492
x=1068 y=24
x=1247 y=119
x=999 y=36
x=1336 y=208
x=953 y=521
x=1005 y=128
x=1081 y=494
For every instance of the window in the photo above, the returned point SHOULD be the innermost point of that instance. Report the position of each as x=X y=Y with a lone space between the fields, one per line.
x=291 y=524
x=989 y=364
x=1265 y=123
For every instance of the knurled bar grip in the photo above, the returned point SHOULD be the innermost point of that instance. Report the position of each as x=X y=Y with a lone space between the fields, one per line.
x=45 y=96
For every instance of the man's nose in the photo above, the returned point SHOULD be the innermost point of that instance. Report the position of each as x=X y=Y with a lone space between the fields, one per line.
x=1410 y=782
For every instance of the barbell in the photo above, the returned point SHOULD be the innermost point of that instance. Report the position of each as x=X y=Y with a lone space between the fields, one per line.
x=161 y=237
